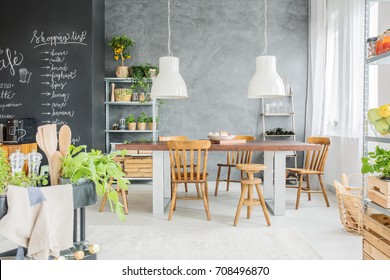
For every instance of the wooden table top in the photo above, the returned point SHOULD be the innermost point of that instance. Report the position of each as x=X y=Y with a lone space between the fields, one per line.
x=274 y=145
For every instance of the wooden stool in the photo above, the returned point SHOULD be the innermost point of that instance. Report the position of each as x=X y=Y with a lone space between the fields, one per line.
x=247 y=185
x=121 y=192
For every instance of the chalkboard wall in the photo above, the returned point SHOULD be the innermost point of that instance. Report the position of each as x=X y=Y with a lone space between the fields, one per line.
x=46 y=54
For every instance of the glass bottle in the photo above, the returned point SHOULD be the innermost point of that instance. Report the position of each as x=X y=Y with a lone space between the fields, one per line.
x=386 y=41
x=16 y=161
x=379 y=44
x=371 y=46
x=34 y=161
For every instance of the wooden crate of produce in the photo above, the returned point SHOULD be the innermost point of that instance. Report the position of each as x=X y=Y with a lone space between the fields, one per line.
x=379 y=191
x=139 y=167
x=376 y=237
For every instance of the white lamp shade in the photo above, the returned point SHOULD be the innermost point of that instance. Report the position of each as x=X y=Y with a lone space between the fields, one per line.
x=266 y=82
x=169 y=84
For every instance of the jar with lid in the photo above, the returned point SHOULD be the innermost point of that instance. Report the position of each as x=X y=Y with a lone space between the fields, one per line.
x=386 y=41
x=371 y=47
x=16 y=161
x=379 y=44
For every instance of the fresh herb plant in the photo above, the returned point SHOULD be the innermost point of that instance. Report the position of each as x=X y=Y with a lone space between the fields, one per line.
x=130 y=119
x=4 y=171
x=377 y=162
x=99 y=168
x=142 y=118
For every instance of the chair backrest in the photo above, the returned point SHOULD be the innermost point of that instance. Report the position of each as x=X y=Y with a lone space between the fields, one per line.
x=188 y=160
x=172 y=138
x=315 y=160
x=240 y=157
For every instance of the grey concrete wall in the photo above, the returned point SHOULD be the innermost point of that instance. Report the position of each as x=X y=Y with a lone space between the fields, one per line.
x=217 y=42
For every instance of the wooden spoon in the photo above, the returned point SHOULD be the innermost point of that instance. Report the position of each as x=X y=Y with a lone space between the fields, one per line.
x=56 y=165
x=64 y=139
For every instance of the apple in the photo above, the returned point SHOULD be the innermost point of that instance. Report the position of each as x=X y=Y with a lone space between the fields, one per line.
x=373 y=115
x=381 y=126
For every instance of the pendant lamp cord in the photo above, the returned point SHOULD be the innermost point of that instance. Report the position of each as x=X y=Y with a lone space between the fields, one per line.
x=265 y=27
x=169 y=29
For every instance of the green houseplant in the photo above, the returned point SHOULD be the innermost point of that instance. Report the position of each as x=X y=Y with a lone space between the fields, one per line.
x=98 y=168
x=131 y=122
x=150 y=122
x=377 y=162
x=121 y=46
x=142 y=119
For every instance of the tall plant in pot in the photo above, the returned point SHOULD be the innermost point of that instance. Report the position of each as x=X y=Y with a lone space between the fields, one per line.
x=121 y=46
x=378 y=163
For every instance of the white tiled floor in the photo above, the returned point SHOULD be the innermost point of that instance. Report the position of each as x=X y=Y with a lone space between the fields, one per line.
x=317 y=223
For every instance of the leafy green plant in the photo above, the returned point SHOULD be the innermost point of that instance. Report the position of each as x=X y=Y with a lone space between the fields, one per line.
x=150 y=119
x=143 y=118
x=121 y=45
x=377 y=162
x=22 y=180
x=99 y=168
x=130 y=119
x=5 y=171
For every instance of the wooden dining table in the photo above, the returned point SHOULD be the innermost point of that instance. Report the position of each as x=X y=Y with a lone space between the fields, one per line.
x=274 y=175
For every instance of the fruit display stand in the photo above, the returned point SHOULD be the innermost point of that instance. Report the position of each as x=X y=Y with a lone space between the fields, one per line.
x=83 y=196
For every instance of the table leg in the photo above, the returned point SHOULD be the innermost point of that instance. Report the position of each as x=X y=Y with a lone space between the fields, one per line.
x=275 y=181
x=161 y=181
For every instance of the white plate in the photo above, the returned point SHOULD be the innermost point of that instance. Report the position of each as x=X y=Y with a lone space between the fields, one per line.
x=216 y=138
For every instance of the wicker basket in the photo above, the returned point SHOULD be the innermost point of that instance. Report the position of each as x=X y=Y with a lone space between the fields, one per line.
x=122 y=94
x=350 y=204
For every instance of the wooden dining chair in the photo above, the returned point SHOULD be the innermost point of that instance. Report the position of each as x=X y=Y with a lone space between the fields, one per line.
x=188 y=162
x=121 y=192
x=232 y=159
x=314 y=165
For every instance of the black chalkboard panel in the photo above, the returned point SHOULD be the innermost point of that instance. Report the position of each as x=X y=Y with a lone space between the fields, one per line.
x=46 y=63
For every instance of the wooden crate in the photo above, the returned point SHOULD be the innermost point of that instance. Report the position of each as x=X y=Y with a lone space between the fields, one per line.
x=379 y=191
x=138 y=167
x=376 y=237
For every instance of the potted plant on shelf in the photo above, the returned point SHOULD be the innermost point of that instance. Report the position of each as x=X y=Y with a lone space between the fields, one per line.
x=378 y=162
x=142 y=119
x=99 y=168
x=131 y=123
x=121 y=45
x=150 y=122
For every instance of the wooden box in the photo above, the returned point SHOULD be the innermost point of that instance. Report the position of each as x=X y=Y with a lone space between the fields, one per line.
x=376 y=237
x=379 y=191
x=138 y=167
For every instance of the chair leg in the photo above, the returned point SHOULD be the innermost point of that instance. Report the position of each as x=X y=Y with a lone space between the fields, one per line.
x=308 y=186
x=323 y=191
x=228 y=178
x=103 y=202
x=173 y=202
x=124 y=198
x=299 y=191
x=217 y=181
x=250 y=198
x=185 y=187
x=262 y=202
x=240 y=203
x=207 y=190
x=205 y=201
x=197 y=189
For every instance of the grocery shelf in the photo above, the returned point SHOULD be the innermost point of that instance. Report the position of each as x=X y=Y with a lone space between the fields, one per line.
x=378 y=139
x=383 y=58
x=377 y=207
x=129 y=103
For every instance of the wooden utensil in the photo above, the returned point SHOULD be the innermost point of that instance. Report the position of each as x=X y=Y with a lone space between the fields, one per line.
x=50 y=142
x=56 y=165
x=64 y=139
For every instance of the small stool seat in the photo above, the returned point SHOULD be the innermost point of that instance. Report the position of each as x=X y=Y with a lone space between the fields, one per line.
x=247 y=187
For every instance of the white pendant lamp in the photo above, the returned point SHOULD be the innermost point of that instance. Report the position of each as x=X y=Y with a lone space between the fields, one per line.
x=169 y=84
x=266 y=83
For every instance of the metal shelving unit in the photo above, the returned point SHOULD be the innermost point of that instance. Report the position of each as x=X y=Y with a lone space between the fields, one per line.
x=290 y=114
x=109 y=105
x=381 y=59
